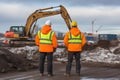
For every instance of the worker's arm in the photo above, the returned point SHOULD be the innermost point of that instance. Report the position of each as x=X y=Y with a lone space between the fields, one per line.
x=83 y=39
x=54 y=41
x=66 y=40
x=37 y=40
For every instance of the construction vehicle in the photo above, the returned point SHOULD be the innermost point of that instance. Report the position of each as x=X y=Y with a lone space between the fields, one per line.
x=22 y=35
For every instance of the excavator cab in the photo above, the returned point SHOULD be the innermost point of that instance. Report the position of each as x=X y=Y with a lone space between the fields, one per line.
x=20 y=30
x=15 y=32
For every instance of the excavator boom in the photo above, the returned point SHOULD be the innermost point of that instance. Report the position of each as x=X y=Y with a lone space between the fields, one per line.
x=23 y=35
x=45 y=12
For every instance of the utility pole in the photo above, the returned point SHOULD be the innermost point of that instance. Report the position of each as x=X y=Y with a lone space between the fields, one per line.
x=93 y=21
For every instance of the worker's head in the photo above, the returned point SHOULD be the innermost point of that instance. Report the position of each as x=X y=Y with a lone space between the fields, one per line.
x=74 y=24
x=48 y=22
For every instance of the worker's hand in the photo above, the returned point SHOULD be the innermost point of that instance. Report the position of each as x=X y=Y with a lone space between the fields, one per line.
x=54 y=50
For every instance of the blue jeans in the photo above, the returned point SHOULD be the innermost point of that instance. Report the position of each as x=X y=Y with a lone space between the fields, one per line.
x=49 y=62
x=70 y=59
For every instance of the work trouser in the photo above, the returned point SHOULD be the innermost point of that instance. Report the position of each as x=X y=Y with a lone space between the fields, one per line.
x=70 y=59
x=49 y=62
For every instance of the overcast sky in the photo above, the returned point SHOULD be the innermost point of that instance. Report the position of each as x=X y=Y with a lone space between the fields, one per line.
x=105 y=13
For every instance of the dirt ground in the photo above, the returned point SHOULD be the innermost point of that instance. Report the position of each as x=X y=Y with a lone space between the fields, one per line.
x=87 y=73
x=12 y=64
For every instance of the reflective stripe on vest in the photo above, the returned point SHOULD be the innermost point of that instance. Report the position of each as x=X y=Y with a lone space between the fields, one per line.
x=45 y=38
x=74 y=39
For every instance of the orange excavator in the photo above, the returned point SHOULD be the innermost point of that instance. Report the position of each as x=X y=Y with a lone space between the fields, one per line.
x=22 y=35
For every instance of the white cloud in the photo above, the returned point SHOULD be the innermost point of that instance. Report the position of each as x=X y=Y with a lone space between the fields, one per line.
x=105 y=15
x=17 y=11
x=95 y=11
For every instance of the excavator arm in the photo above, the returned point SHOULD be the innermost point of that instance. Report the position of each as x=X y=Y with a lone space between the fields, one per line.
x=24 y=37
x=45 y=13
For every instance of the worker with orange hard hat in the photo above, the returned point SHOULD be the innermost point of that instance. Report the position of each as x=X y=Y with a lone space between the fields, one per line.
x=47 y=42
x=74 y=40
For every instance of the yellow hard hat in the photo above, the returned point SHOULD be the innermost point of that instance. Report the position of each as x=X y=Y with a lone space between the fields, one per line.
x=74 y=24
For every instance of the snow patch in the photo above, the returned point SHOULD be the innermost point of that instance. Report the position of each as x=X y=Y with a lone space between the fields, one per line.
x=100 y=55
x=26 y=51
x=96 y=55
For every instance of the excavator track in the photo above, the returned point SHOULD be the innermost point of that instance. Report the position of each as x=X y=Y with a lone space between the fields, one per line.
x=21 y=43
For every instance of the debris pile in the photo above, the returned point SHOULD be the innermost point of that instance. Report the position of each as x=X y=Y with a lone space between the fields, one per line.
x=61 y=54
x=117 y=51
x=9 y=61
x=104 y=44
x=101 y=55
x=28 y=52
x=89 y=47
x=23 y=58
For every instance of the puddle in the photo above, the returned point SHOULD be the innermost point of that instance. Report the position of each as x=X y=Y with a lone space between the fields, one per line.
x=99 y=78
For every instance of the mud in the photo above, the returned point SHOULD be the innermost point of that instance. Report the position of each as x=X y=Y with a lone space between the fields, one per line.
x=10 y=61
x=87 y=73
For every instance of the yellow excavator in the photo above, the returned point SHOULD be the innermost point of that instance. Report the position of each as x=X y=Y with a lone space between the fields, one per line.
x=22 y=35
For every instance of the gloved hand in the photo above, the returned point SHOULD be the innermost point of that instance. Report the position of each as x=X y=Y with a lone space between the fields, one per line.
x=54 y=50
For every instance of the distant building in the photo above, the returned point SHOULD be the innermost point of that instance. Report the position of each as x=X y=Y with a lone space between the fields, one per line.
x=60 y=35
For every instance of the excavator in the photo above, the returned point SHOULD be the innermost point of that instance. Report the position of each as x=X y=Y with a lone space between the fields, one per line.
x=22 y=35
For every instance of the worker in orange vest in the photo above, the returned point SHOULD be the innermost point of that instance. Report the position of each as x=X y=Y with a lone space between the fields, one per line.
x=74 y=40
x=47 y=42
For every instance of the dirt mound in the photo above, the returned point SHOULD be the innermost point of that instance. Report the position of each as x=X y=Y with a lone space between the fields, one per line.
x=104 y=44
x=116 y=51
x=9 y=61
x=89 y=47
